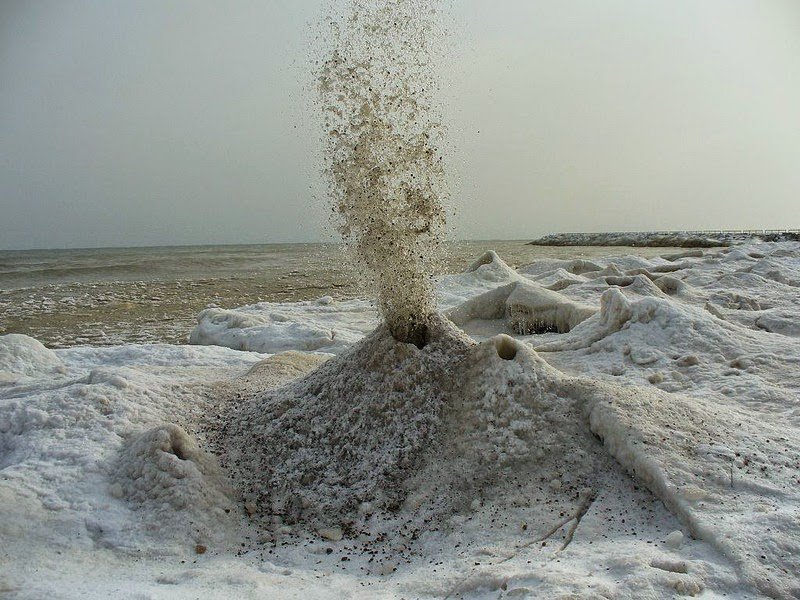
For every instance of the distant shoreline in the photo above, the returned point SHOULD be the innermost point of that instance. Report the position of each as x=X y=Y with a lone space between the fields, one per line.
x=663 y=239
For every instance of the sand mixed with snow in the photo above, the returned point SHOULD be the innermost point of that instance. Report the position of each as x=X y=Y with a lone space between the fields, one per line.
x=621 y=428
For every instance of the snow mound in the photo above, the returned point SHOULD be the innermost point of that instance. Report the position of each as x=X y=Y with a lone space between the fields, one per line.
x=174 y=483
x=510 y=428
x=22 y=356
x=346 y=434
x=615 y=312
x=490 y=267
x=319 y=325
x=526 y=307
x=391 y=440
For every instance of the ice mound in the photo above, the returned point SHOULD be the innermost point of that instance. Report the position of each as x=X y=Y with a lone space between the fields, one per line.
x=388 y=434
x=77 y=477
x=672 y=286
x=22 y=356
x=777 y=321
x=682 y=347
x=638 y=284
x=585 y=277
x=575 y=266
x=527 y=308
x=510 y=430
x=348 y=433
x=781 y=271
x=615 y=312
x=490 y=267
x=320 y=325
x=531 y=309
x=557 y=280
x=174 y=483
x=485 y=274
x=732 y=300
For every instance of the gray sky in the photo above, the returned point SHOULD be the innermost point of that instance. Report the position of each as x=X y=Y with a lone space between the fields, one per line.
x=177 y=122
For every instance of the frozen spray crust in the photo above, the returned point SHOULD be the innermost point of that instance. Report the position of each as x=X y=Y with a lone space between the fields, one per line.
x=384 y=165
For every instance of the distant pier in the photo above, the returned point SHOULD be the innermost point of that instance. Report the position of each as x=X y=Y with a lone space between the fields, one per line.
x=677 y=239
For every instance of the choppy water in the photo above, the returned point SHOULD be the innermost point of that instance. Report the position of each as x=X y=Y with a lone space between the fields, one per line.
x=145 y=295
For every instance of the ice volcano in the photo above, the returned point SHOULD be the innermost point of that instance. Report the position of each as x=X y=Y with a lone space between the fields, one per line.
x=389 y=431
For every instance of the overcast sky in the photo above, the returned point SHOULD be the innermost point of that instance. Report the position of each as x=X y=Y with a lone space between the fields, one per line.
x=179 y=122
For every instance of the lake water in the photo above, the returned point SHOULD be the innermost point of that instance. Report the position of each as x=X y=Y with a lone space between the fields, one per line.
x=146 y=295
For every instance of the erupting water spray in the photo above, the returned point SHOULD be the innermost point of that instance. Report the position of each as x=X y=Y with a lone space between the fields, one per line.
x=384 y=164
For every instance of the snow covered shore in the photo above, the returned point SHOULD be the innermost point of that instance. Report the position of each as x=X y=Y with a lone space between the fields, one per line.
x=624 y=428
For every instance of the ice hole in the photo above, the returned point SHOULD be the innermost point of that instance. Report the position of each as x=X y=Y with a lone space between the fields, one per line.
x=414 y=333
x=506 y=347
x=178 y=449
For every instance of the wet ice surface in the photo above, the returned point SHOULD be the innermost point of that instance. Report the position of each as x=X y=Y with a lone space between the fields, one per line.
x=681 y=371
x=149 y=295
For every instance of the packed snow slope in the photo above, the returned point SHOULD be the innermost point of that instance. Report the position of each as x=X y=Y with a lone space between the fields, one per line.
x=619 y=428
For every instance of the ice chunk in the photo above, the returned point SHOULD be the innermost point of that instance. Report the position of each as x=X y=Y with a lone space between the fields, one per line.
x=490 y=267
x=527 y=308
x=22 y=356
x=321 y=325
x=533 y=309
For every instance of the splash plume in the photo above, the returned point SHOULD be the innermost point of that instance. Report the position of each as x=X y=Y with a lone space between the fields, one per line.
x=384 y=165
